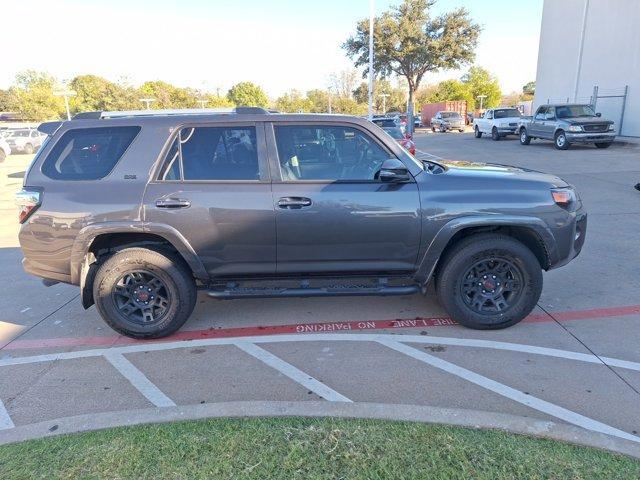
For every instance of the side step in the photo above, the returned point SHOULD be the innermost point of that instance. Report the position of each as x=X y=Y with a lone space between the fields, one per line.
x=381 y=288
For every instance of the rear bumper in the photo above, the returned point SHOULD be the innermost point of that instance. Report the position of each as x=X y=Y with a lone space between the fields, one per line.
x=32 y=269
x=604 y=137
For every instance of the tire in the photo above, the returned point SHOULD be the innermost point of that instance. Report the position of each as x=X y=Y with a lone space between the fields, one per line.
x=433 y=129
x=495 y=136
x=525 y=139
x=560 y=141
x=461 y=130
x=453 y=291
x=134 y=270
x=603 y=144
x=476 y=132
x=28 y=149
x=443 y=129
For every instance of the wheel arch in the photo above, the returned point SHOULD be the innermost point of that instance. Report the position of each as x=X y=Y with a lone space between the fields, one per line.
x=98 y=240
x=531 y=232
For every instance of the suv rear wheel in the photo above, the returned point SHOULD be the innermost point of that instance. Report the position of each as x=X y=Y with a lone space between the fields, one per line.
x=525 y=139
x=28 y=149
x=143 y=293
x=476 y=132
x=489 y=282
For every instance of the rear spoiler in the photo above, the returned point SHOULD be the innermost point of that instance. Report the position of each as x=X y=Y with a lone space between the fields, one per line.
x=49 y=128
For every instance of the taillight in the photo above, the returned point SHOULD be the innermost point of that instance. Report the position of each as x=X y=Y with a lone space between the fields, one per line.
x=28 y=202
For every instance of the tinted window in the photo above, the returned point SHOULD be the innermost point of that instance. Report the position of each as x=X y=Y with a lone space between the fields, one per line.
x=213 y=153
x=574 y=111
x=507 y=112
x=308 y=152
x=395 y=132
x=88 y=153
x=450 y=115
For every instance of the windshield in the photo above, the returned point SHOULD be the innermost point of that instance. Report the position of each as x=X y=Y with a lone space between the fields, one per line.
x=506 y=112
x=572 y=111
x=450 y=115
x=395 y=132
x=18 y=133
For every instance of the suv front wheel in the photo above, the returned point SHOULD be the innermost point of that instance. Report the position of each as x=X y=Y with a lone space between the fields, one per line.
x=489 y=282
x=144 y=293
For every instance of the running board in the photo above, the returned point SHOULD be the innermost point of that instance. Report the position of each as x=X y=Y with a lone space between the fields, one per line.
x=381 y=288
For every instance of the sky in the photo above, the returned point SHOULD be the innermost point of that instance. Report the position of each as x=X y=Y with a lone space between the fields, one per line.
x=213 y=44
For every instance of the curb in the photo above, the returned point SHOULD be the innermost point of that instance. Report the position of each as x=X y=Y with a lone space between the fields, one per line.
x=414 y=413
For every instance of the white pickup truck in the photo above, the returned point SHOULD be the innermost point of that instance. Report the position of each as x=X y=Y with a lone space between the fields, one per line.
x=497 y=122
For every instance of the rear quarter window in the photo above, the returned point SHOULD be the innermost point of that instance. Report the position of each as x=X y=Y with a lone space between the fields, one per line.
x=88 y=153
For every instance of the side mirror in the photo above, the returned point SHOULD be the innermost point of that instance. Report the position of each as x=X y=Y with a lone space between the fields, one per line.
x=393 y=170
x=598 y=114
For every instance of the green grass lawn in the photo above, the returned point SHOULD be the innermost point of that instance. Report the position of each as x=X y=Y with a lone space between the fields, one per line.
x=306 y=449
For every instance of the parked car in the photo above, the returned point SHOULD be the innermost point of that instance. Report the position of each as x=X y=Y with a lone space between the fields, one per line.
x=403 y=139
x=5 y=149
x=445 y=121
x=24 y=140
x=390 y=122
x=141 y=211
x=567 y=124
x=497 y=122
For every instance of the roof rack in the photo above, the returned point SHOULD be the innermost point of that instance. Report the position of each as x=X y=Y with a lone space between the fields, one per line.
x=166 y=112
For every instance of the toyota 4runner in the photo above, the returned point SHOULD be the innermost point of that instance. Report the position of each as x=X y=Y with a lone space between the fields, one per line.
x=143 y=210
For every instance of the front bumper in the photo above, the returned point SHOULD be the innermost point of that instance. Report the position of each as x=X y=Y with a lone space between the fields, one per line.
x=570 y=238
x=588 y=137
x=451 y=126
x=508 y=130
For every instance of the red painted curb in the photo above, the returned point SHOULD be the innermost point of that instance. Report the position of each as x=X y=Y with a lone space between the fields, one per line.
x=109 y=341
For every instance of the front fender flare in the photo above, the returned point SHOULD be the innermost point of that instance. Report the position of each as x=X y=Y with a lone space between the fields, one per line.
x=434 y=250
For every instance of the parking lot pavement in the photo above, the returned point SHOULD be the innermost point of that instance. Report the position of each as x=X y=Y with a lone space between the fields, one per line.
x=573 y=361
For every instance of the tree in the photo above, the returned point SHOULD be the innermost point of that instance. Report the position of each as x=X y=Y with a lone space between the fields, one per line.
x=529 y=90
x=409 y=42
x=481 y=82
x=97 y=93
x=247 y=94
x=293 y=102
x=343 y=83
x=166 y=95
x=34 y=98
x=216 y=101
x=6 y=101
x=449 y=90
x=395 y=100
x=318 y=100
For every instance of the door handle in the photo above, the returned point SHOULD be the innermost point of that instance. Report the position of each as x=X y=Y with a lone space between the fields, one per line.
x=172 y=203
x=294 y=202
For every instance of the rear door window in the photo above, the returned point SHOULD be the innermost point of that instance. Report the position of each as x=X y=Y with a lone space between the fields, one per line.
x=88 y=153
x=212 y=153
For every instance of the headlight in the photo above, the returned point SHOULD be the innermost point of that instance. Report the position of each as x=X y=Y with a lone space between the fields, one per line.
x=504 y=125
x=564 y=197
x=612 y=127
x=574 y=128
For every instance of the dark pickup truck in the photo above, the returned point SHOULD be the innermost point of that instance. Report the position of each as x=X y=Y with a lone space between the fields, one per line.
x=567 y=124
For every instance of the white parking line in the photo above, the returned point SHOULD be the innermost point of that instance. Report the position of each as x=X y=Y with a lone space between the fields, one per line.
x=5 y=419
x=328 y=337
x=427 y=154
x=292 y=372
x=511 y=393
x=145 y=386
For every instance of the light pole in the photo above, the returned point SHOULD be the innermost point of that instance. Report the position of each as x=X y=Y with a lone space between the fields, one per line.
x=65 y=92
x=203 y=102
x=147 y=102
x=372 y=10
x=384 y=102
x=481 y=97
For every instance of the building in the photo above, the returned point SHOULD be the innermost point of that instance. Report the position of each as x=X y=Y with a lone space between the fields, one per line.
x=590 y=53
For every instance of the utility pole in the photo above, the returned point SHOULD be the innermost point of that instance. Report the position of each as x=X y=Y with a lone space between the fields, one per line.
x=384 y=102
x=372 y=11
x=481 y=97
x=147 y=102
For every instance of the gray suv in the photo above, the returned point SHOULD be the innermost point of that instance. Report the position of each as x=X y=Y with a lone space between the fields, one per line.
x=143 y=210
